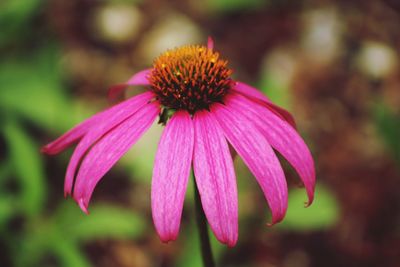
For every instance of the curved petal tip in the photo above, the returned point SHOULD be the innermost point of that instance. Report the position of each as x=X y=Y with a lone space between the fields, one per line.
x=277 y=217
x=310 y=189
x=44 y=150
x=229 y=242
x=309 y=202
x=310 y=193
x=167 y=235
x=274 y=221
x=49 y=150
x=83 y=206
x=139 y=78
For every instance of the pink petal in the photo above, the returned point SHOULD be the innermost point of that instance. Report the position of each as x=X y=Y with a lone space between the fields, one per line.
x=108 y=150
x=249 y=91
x=259 y=97
x=140 y=78
x=215 y=178
x=283 y=138
x=258 y=155
x=83 y=206
x=124 y=111
x=210 y=43
x=170 y=175
x=73 y=135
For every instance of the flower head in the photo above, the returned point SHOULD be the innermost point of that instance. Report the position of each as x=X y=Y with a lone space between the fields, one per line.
x=210 y=111
x=190 y=78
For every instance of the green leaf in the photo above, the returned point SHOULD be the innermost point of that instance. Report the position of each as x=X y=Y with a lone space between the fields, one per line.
x=104 y=221
x=125 y=1
x=7 y=209
x=14 y=16
x=322 y=214
x=28 y=167
x=29 y=250
x=388 y=125
x=69 y=253
x=278 y=93
x=31 y=87
x=45 y=238
x=234 y=5
x=5 y=172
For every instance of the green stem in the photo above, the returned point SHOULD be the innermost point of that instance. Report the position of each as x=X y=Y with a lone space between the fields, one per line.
x=206 y=252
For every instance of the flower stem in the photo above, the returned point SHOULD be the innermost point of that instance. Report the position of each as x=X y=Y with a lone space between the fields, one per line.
x=206 y=251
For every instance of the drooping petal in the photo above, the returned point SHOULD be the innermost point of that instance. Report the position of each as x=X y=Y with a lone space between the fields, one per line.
x=109 y=149
x=140 y=78
x=76 y=133
x=210 y=43
x=258 y=155
x=255 y=94
x=215 y=178
x=283 y=138
x=124 y=111
x=71 y=136
x=249 y=91
x=170 y=175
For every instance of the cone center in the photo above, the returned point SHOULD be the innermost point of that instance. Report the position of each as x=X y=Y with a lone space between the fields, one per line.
x=190 y=78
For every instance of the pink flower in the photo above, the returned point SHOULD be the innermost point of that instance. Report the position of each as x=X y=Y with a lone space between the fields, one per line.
x=211 y=110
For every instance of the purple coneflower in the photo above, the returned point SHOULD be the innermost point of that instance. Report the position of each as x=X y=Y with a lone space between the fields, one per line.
x=210 y=111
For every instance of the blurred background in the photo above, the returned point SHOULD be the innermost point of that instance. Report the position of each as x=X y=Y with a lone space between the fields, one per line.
x=333 y=64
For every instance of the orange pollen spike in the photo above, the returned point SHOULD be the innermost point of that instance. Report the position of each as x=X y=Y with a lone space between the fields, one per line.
x=190 y=78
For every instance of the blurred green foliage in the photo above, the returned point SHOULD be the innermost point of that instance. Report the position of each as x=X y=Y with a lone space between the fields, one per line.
x=388 y=125
x=27 y=166
x=275 y=90
x=15 y=16
x=31 y=89
x=192 y=253
x=322 y=214
x=32 y=95
x=234 y=5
